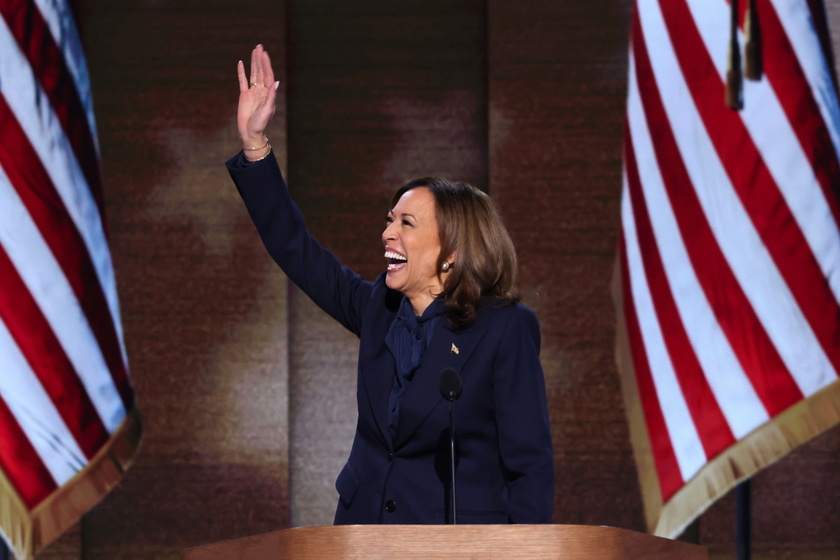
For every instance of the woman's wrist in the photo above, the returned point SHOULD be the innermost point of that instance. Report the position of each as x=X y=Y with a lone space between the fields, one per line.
x=254 y=143
x=257 y=150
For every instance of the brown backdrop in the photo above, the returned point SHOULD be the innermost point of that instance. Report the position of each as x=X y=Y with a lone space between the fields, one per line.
x=248 y=391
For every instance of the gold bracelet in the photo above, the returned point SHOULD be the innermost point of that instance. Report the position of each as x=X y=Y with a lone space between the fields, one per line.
x=252 y=149
x=262 y=158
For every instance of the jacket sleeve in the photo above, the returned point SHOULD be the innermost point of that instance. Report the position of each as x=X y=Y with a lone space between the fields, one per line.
x=522 y=420
x=339 y=291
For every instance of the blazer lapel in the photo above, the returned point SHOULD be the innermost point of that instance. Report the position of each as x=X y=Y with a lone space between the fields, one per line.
x=379 y=367
x=377 y=385
x=448 y=348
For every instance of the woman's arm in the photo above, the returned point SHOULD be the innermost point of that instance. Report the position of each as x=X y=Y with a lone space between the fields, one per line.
x=339 y=291
x=522 y=419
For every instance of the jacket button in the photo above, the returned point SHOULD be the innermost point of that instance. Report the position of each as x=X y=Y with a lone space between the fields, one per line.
x=390 y=456
x=390 y=506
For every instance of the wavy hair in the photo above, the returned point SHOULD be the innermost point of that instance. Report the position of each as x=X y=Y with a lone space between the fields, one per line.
x=469 y=224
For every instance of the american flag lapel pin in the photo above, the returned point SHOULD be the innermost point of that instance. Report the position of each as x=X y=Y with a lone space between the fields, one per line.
x=454 y=349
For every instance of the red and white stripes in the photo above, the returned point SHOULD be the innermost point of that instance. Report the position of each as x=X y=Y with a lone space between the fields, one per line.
x=64 y=386
x=730 y=246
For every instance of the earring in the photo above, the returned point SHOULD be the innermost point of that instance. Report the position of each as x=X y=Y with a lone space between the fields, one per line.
x=445 y=266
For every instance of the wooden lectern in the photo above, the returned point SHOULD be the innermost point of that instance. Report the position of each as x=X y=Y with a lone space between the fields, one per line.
x=566 y=542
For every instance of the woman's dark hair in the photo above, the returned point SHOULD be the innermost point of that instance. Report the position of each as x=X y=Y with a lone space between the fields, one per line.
x=484 y=268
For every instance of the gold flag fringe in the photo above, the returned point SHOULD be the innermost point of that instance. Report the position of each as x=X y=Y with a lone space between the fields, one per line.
x=759 y=449
x=30 y=532
x=14 y=519
x=762 y=447
x=639 y=436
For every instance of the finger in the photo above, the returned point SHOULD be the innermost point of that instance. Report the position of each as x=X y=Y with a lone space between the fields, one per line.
x=271 y=96
x=259 y=64
x=240 y=72
x=268 y=72
x=254 y=63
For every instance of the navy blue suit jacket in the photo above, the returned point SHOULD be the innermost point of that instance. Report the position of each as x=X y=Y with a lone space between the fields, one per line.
x=505 y=471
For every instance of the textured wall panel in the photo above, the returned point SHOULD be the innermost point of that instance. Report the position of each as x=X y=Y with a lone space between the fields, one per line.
x=557 y=76
x=204 y=313
x=379 y=92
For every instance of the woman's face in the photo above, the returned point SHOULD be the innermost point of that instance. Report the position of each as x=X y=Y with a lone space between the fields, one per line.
x=412 y=248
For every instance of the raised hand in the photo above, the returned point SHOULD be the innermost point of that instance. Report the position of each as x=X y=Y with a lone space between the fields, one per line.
x=256 y=103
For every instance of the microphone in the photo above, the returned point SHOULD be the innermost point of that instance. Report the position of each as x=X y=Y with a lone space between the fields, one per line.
x=450 y=388
x=450 y=384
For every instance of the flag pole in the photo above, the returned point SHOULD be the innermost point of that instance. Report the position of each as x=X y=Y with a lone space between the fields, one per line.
x=743 y=520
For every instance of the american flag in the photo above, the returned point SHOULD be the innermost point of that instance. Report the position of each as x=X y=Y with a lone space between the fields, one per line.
x=728 y=276
x=68 y=425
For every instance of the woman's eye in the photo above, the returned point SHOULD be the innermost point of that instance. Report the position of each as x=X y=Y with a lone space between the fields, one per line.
x=389 y=220
x=407 y=223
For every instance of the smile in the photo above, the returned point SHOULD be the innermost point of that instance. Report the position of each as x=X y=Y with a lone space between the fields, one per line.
x=396 y=261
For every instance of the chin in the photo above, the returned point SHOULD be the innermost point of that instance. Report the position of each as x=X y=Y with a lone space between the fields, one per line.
x=391 y=283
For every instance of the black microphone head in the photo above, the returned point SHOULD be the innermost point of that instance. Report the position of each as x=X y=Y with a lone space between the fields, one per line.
x=450 y=384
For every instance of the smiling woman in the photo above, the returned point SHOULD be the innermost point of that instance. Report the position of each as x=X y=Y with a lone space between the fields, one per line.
x=471 y=231
x=446 y=300
x=412 y=247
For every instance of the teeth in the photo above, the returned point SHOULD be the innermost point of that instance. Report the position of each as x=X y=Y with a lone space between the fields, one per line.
x=393 y=255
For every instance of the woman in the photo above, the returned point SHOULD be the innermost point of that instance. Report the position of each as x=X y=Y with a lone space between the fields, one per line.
x=446 y=300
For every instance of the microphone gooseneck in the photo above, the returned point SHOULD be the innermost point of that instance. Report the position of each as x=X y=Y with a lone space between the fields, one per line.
x=450 y=388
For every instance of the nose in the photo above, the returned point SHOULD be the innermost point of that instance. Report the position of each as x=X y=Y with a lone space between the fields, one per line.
x=389 y=232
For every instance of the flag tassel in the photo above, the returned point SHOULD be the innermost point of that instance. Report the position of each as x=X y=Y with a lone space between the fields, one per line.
x=734 y=98
x=753 y=56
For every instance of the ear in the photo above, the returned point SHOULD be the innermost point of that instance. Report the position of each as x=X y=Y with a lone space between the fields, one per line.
x=446 y=265
x=451 y=259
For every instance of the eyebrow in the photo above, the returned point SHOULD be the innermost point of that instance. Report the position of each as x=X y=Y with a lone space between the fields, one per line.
x=404 y=214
